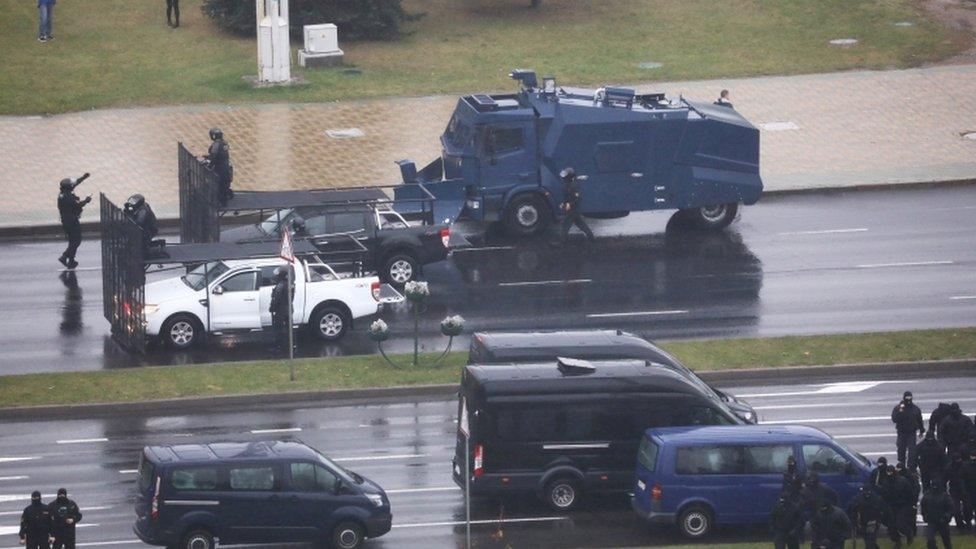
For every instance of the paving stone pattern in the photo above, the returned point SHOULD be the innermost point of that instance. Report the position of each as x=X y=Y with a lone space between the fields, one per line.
x=852 y=128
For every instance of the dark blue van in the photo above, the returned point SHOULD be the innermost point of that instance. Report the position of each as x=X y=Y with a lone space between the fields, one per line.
x=697 y=477
x=192 y=496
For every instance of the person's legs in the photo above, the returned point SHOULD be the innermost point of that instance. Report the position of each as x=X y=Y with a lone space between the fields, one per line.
x=578 y=221
x=564 y=226
x=74 y=240
x=912 y=462
x=176 y=12
x=43 y=26
x=944 y=534
x=49 y=30
x=902 y=444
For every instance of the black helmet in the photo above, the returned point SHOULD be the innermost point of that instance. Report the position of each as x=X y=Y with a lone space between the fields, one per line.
x=67 y=184
x=215 y=134
x=35 y=496
x=567 y=174
x=135 y=201
x=298 y=223
x=882 y=461
x=280 y=272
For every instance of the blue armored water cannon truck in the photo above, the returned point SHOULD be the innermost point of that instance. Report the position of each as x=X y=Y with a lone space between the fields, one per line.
x=502 y=155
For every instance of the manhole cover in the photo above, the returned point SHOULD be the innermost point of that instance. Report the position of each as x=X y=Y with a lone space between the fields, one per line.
x=344 y=133
x=969 y=135
x=844 y=41
x=779 y=126
x=903 y=24
x=650 y=65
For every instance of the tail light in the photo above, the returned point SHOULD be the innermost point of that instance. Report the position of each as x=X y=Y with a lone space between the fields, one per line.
x=446 y=236
x=375 y=288
x=154 y=512
x=656 y=493
x=479 y=460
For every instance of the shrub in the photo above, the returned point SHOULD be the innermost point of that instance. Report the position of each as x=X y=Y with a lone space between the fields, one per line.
x=356 y=19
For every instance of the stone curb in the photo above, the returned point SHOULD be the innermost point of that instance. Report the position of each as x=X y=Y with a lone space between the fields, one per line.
x=375 y=395
x=53 y=230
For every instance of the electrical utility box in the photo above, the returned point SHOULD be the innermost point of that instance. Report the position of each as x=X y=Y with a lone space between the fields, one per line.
x=321 y=46
x=274 y=53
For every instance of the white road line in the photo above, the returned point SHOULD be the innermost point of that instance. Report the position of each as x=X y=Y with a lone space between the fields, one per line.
x=461 y=522
x=827 y=389
x=92 y=543
x=824 y=420
x=958 y=297
x=546 y=282
x=268 y=431
x=18 y=477
x=81 y=440
x=918 y=401
x=128 y=471
x=78 y=269
x=826 y=231
x=420 y=490
x=12 y=459
x=905 y=264
x=10 y=530
x=376 y=458
x=637 y=313
x=872 y=454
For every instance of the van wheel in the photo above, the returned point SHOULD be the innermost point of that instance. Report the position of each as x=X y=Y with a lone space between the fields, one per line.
x=197 y=539
x=695 y=522
x=562 y=494
x=526 y=215
x=181 y=332
x=329 y=323
x=347 y=535
x=711 y=218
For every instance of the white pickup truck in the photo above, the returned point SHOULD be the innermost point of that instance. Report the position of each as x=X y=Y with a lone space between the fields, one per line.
x=238 y=295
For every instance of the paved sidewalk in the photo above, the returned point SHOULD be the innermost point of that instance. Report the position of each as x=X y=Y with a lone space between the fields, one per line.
x=828 y=130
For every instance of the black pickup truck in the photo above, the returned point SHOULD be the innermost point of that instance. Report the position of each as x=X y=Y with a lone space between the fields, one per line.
x=398 y=250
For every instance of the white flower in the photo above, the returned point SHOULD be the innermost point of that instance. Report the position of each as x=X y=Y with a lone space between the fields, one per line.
x=379 y=326
x=416 y=287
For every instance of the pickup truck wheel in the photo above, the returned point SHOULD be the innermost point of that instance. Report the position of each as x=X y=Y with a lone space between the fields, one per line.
x=711 y=218
x=330 y=323
x=399 y=269
x=181 y=332
x=526 y=215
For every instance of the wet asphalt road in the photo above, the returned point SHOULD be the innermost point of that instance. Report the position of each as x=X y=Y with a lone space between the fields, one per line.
x=407 y=448
x=799 y=264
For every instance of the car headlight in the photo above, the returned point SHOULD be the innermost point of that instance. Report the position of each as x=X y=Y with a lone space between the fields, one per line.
x=377 y=499
x=150 y=309
x=748 y=416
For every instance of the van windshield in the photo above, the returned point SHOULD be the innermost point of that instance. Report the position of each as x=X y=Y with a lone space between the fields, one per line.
x=344 y=473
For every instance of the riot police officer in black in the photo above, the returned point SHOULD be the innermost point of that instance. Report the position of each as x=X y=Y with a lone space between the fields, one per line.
x=908 y=424
x=787 y=523
x=829 y=526
x=35 y=524
x=70 y=207
x=937 y=511
x=279 y=307
x=142 y=215
x=218 y=159
x=931 y=458
x=572 y=196
x=869 y=512
x=880 y=474
x=64 y=516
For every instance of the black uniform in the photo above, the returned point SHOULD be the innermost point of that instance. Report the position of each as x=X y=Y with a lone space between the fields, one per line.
x=967 y=477
x=572 y=196
x=957 y=490
x=916 y=484
x=142 y=215
x=931 y=458
x=870 y=512
x=815 y=493
x=61 y=510
x=879 y=475
x=908 y=423
x=173 y=8
x=935 y=418
x=792 y=478
x=787 y=523
x=937 y=511
x=954 y=429
x=279 y=308
x=219 y=158
x=35 y=524
x=899 y=495
x=69 y=208
x=829 y=527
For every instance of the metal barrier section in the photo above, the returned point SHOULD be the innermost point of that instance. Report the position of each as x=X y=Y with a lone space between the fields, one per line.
x=199 y=200
x=123 y=276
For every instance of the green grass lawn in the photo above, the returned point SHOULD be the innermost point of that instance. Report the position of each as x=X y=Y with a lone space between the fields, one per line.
x=121 y=53
x=148 y=383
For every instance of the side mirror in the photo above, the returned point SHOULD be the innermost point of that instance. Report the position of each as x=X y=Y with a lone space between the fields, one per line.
x=217 y=290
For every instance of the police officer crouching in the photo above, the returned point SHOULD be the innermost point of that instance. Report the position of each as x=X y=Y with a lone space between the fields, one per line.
x=69 y=208
x=35 y=524
x=142 y=215
x=572 y=196
x=64 y=516
x=280 y=307
x=830 y=526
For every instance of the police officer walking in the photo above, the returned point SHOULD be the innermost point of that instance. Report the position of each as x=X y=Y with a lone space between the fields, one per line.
x=869 y=512
x=279 y=307
x=937 y=511
x=218 y=159
x=572 y=196
x=829 y=527
x=957 y=490
x=64 y=516
x=954 y=429
x=908 y=424
x=931 y=458
x=70 y=207
x=898 y=493
x=787 y=523
x=35 y=524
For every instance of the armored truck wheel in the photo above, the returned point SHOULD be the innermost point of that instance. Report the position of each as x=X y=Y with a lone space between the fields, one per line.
x=711 y=218
x=526 y=215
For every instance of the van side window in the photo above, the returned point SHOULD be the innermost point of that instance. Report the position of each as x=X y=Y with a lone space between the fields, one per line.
x=307 y=477
x=566 y=423
x=764 y=460
x=647 y=454
x=252 y=478
x=823 y=459
x=195 y=478
x=502 y=140
x=709 y=460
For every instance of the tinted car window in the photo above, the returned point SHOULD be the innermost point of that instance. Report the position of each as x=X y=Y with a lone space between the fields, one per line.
x=252 y=478
x=709 y=460
x=647 y=454
x=307 y=477
x=760 y=460
x=244 y=282
x=567 y=423
x=347 y=222
x=700 y=415
x=195 y=478
x=505 y=139
x=823 y=459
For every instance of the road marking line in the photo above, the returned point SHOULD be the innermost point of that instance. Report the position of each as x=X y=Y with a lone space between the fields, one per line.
x=963 y=297
x=81 y=440
x=905 y=264
x=128 y=471
x=18 y=513
x=637 y=313
x=493 y=521
x=375 y=458
x=866 y=454
x=546 y=282
x=826 y=231
x=918 y=400
x=268 y=431
x=10 y=530
x=824 y=420
x=12 y=459
x=419 y=490
x=18 y=477
x=828 y=389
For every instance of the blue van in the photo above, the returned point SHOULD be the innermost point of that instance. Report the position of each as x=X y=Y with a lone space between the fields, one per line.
x=191 y=496
x=698 y=477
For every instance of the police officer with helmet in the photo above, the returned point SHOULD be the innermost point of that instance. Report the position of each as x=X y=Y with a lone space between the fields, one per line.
x=69 y=208
x=142 y=215
x=218 y=160
x=572 y=196
x=280 y=304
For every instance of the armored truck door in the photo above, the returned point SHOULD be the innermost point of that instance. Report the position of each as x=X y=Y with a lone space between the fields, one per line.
x=508 y=155
x=618 y=180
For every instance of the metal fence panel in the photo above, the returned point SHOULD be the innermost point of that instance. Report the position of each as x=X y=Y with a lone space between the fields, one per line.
x=199 y=199
x=123 y=276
